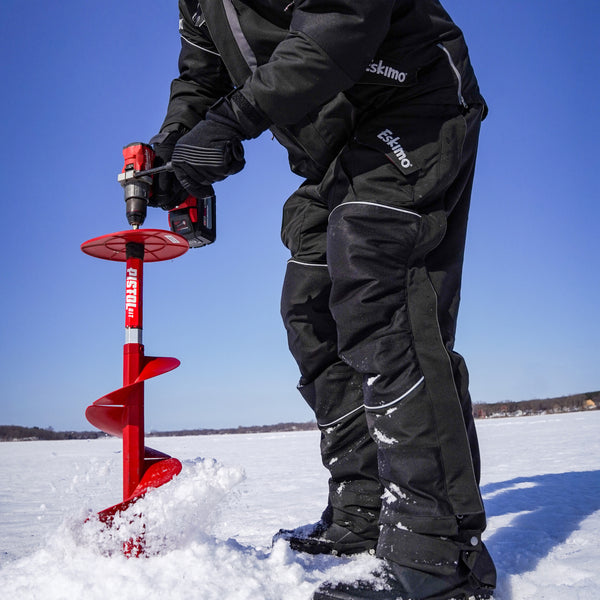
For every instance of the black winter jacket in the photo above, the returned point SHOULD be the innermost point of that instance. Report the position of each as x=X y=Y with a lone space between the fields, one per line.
x=313 y=67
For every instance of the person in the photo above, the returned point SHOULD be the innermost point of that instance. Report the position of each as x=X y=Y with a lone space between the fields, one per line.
x=379 y=109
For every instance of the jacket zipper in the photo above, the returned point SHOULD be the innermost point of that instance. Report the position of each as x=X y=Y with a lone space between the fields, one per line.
x=461 y=100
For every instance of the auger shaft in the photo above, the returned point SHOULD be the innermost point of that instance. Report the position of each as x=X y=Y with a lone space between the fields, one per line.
x=133 y=363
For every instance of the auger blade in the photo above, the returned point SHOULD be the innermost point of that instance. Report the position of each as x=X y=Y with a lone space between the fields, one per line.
x=155 y=476
x=157 y=365
x=106 y=418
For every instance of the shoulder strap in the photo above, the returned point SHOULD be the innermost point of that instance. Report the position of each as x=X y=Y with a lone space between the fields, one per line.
x=224 y=26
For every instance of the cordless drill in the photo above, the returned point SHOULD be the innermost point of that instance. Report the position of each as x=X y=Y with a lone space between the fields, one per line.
x=194 y=219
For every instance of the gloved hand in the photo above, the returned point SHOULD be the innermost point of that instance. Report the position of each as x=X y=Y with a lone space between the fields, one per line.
x=213 y=149
x=167 y=192
x=210 y=152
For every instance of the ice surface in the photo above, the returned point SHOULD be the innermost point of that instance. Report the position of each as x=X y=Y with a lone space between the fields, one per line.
x=209 y=531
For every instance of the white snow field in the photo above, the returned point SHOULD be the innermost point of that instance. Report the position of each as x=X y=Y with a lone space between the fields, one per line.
x=209 y=531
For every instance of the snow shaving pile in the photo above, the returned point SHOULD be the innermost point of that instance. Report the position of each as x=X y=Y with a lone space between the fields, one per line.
x=183 y=559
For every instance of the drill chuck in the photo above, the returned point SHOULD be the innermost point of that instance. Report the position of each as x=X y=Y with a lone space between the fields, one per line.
x=137 y=194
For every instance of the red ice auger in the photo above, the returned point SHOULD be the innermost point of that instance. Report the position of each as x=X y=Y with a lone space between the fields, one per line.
x=121 y=412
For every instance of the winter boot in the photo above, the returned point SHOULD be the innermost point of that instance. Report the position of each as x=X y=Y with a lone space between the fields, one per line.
x=396 y=582
x=326 y=537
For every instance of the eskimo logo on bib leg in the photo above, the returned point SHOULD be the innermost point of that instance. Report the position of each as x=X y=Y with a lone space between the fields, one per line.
x=398 y=155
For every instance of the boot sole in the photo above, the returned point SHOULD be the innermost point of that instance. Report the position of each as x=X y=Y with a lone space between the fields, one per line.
x=323 y=547
x=364 y=591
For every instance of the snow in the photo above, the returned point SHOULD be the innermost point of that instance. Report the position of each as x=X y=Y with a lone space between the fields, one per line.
x=209 y=531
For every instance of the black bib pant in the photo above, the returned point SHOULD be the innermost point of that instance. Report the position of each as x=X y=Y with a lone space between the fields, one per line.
x=370 y=303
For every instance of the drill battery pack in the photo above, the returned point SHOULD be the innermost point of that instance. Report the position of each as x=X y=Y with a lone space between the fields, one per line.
x=195 y=220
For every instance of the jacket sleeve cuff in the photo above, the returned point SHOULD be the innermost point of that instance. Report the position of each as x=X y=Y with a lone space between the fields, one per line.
x=166 y=131
x=241 y=113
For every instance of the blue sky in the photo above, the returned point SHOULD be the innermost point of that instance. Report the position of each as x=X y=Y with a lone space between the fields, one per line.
x=80 y=80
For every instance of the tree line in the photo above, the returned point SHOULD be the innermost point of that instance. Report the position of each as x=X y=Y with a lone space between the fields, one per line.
x=9 y=433
x=561 y=404
x=12 y=433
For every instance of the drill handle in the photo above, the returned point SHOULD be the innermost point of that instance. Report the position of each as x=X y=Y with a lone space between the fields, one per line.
x=166 y=167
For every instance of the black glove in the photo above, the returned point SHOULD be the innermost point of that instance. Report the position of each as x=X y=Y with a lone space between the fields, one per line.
x=210 y=152
x=167 y=192
x=213 y=149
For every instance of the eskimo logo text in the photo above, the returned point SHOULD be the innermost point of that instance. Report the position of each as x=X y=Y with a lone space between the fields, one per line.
x=387 y=136
x=378 y=68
